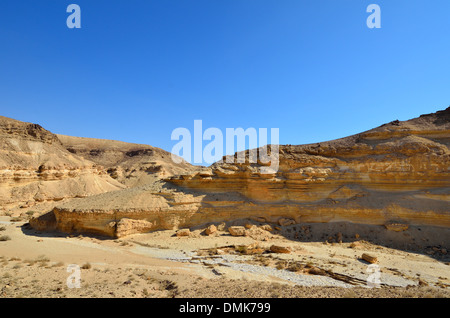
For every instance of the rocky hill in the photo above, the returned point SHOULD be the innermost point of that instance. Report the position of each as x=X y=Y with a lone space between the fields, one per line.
x=130 y=164
x=39 y=168
x=35 y=168
x=396 y=175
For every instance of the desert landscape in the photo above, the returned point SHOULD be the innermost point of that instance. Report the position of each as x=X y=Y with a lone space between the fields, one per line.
x=362 y=216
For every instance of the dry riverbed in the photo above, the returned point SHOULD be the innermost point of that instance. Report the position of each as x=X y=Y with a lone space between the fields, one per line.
x=161 y=264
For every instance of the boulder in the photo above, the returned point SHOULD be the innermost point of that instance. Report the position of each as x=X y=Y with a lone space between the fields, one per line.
x=280 y=249
x=183 y=232
x=316 y=271
x=286 y=222
x=266 y=227
x=369 y=258
x=355 y=244
x=211 y=229
x=396 y=227
x=222 y=226
x=259 y=219
x=258 y=234
x=237 y=230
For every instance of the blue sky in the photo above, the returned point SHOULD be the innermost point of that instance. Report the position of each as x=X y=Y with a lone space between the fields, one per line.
x=138 y=69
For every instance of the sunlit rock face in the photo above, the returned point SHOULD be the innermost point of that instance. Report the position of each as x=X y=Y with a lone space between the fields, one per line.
x=397 y=173
x=36 y=168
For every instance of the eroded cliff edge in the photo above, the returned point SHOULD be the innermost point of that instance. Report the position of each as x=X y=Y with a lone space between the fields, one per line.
x=39 y=168
x=36 y=168
x=397 y=173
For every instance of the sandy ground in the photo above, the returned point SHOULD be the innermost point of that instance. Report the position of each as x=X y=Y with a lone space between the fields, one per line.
x=161 y=265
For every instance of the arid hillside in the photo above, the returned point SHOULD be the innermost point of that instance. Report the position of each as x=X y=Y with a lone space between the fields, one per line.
x=36 y=168
x=39 y=168
x=128 y=163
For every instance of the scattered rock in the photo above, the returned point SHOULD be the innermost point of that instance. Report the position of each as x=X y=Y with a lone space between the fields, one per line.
x=211 y=229
x=217 y=272
x=220 y=251
x=237 y=230
x=339 y=237
x=249 y=249
x=396 y=227
x=436 y=249
x=258 y=234
x=369 y=258
x=316 y=271
x=221 y=227
x=306 y=229
x=183 y=232
x=259 y=219
x=280 y=249
x=286 y=222
x=355 y=245
x=266 y=227
x=422 y=282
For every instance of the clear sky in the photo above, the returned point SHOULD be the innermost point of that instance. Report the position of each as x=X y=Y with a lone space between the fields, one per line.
x=138 y=69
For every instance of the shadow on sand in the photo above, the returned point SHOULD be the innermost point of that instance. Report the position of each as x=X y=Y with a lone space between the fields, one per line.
x=431 y=241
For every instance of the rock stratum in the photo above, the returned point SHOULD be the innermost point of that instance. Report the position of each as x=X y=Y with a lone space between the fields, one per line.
x=396 y=175
x=35 y=167
x=39 y=168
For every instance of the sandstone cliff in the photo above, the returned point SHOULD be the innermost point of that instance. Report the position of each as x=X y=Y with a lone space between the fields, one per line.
x=35 y=167
x=397 y=173
x=39 y=168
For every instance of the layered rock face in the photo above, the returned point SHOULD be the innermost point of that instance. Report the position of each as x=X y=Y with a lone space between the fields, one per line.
x=399 y=171
x=394 y=174
x=39 y=168
x=35 y=167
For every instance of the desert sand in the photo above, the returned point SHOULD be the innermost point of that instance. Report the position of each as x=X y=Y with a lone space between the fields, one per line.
x=163 y=265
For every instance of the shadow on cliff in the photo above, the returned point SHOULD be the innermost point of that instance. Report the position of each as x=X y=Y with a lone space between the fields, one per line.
x=427 y=240
x=431 y=241
x=28 y=230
